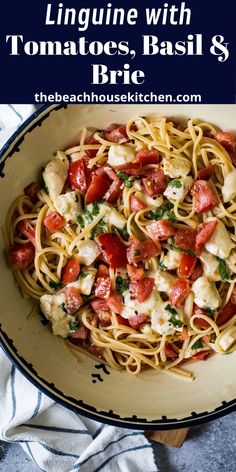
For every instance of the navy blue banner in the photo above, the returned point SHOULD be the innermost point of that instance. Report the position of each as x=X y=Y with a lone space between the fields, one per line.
x=118 y=51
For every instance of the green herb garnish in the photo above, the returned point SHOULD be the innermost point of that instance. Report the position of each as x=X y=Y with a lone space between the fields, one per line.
x=173 y=319
x=124 y=233
x=224 y=272
x=80 y=221
x=55 y=285
x=88 y=215
x=208 y=311
x=176 y=183
x=179 y=249
x=159 y=213
x=96 y=209
x=198 y=344
x=99 y=229
x=128 y=181
x=83 y=275
x=162 y=266
x=121 y=284
x=73 y=325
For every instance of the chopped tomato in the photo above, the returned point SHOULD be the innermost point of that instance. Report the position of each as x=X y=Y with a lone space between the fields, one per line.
x=96 y=351
x=53 y=221
x=22 y=255
x=154 y=183
x=138 y=251
x=160 y=230
x=142 y=288
x=114 y=190
x=135 y=273
x=115 y=302
x=179 y=292
x=31 y=191
x=185 y=238
x=227 y=140
x=97 y=189
x=122 y=321
x=201 y=355
x=24 y=227
x=205 y=231
x=130 y=168
x=71 y=270
x=102 y=173
x=170 y=352
x=115 y=133
x=200 y=321
x=77 y=175
x=204 y=195
x=145 y=156
x=197 y=272
x=73 y=300
x=114 y=251
x=92 y=140
x=206 y=172
x=103 y=287
x=187 y=265
x=226 y=313
x=80 y=333
x=136 y=204
x=99 y=305
x=102 y=270
x=137 y=320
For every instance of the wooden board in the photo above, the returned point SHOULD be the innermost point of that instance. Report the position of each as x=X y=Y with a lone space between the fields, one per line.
x=174 y=437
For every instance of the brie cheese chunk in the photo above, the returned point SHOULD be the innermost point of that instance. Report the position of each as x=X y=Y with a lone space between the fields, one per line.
x=120 y=154
x=220 y=243
x=205 y=293
x=55 y=175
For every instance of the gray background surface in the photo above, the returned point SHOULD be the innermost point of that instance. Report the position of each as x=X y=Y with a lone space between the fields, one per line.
x=208 y=448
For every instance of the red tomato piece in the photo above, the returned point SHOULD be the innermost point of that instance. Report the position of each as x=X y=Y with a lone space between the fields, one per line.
x=80 y=333
x=99 y=304
x=138 y=251
x=53 y=221
x=205 y=231
x=170 y=352
x=137 y=320
x=154 y=183
x=115 y=133
x=136 y=204
x=206 y=172
x=205 y=196
x=24 y=227
x=226 y=313
x=96 y=351
x=31 y=191
x=160 y=230
x=201 y=355
x=187 y=265
x=200 y=321
x=97 y=189
x=114 y=251
x=197 y=272
x=115 y=302
x=145 y=156
x=135 y=273
x=71 y=270
x=92 y=140
x=73 y=300
x=142 y=289
x=77 y=175
x=102 y=173
x=114 y=190
x=122 y=321
x=151 y=249
x=227 y=140
x=185 y=238
x=102 y=270
x=130 y=168
x=103 y=287
x=22 y=255
x=179 y=292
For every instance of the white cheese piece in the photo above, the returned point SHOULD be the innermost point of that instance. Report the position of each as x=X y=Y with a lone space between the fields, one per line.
x=176 y=166
x=210 y=266
x=52 y=307
x=228 y=339
x=55 y=175
x=164 y=281
x=84 y=285
x=114 y=218
x=120 y=154
x=133 y=307
x=220 y=243
x=229 y=187
x=88 y=251
x=205 y=293
x=68 y=206
x=176 y=193
x=160 y=319
x=172 y=260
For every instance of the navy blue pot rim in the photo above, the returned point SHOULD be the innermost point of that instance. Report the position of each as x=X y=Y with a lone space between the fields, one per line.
x=104 y=417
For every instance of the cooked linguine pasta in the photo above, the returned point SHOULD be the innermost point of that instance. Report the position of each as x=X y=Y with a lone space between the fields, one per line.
x=128 y=244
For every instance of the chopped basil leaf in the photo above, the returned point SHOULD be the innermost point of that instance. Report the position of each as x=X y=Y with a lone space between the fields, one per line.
x=224 y=272
x=172 y=310
x=121 y=284
x=163 y=210
x=84 y=274
x=99 y=229
x=128 y=181
x=73 y=325
x=208 y=311
x=55 y=285
x=176 y=183
x=88 y=216
x=123 y=232
x=179 y=249
x=95 y=210
x=197 y=345
x=162 y=266
x=80 y=221
x=173 y=319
